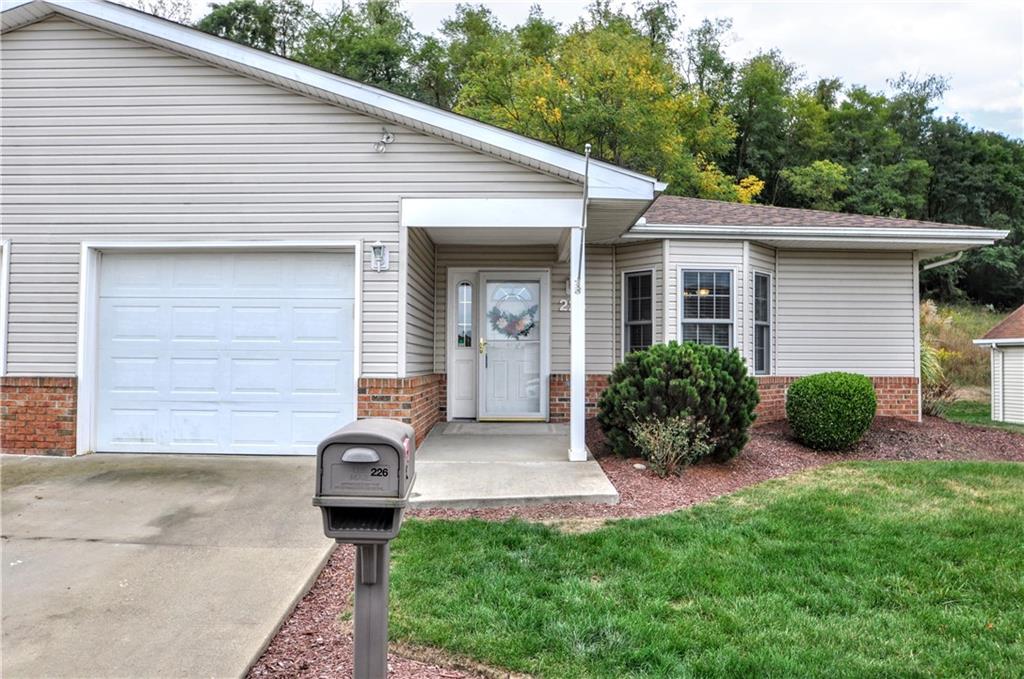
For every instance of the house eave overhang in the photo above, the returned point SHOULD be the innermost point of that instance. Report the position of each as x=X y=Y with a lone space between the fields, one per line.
x=607 y=181
x=905 y=239
x=995 y=343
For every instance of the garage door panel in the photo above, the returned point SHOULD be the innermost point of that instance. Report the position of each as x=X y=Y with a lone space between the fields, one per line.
x=205 y=365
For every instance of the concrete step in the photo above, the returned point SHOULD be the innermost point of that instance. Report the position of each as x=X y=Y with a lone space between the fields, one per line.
x=472 y=484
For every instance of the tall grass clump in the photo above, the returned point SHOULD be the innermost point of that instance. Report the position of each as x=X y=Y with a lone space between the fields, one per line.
x=950 y=331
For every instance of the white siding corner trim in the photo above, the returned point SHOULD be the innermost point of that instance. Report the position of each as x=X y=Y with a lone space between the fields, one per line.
x=5 y=277
x=88 y=308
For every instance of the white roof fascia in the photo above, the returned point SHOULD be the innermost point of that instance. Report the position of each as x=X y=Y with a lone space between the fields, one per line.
x=1009 y=342
x=607 y=181
x=952 y=236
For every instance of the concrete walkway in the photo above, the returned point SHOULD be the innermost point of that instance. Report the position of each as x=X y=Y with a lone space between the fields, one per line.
x=469 y=464
x=152 y=566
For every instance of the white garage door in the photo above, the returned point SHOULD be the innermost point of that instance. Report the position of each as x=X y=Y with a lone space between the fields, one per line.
x=224 y=352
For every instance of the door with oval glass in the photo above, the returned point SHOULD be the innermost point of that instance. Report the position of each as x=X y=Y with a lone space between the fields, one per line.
x=512 y=368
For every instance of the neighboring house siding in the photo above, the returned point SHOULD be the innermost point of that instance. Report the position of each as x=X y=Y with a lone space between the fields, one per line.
x=108 y=139
x=419 y=325
x=642 y=256
x=997 y=383
x=1013 y=384
x=848 y=310
x=600 y=305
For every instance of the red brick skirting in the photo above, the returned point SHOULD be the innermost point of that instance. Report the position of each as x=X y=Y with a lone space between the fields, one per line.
x=897 y=397
x=37 y=415
x=558 y=395
x=419 y=401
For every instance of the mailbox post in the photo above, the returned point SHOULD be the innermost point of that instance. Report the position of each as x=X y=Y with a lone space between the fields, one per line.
x=364 y=475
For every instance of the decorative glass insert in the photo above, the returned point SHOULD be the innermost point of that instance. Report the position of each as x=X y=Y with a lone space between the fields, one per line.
x=638 y=316
x=513 y=311
x=464 y=318
x=707 y=307
x=762 y=323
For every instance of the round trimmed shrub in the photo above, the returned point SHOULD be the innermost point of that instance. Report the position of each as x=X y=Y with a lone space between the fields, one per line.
x=697 y=381
x=830 y=411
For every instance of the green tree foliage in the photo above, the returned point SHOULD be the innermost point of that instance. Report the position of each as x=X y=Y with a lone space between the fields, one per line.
x=277 y=26
x=671 y=103
x=818 y=185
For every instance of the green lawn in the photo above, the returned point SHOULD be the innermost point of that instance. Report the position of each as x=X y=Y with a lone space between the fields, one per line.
x=857 y=569
x=977 y=412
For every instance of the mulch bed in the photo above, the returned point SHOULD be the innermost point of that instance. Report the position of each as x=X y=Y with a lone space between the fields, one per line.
x=314 y=642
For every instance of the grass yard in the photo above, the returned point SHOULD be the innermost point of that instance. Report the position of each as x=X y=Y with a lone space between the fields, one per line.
x=977 y=412
x=856 y=569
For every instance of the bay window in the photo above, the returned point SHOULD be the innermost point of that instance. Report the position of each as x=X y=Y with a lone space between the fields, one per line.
x=706 y=309
x=638 y=314
x=762 y=323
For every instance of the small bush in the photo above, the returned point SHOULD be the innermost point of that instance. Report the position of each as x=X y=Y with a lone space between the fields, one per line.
x=692 y=380
x=671 y=444
x=830 y=411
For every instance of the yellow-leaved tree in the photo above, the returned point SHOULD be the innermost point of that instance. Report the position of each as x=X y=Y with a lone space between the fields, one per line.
x=606 y=86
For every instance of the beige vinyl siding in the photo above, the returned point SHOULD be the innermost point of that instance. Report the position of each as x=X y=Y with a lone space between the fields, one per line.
x=107 y=139
x=706 y=256
x=599 y=296
x=762 y=260
x=1011 y=383
x=846 y=310
x=646 y=255
x=419 y=325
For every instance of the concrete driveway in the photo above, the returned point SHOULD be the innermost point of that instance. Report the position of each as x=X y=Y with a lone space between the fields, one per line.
x=152 y=565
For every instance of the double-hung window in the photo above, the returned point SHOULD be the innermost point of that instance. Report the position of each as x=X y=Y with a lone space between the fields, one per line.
x=638 y=315
x=706 y=309
x=762 y=323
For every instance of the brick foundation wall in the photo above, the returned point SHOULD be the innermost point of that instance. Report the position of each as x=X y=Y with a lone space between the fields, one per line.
x=558 y=395
x=419 y=400
x=897 y=397
x=37 y=415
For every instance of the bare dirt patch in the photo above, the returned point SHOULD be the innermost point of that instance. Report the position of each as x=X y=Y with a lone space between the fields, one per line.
x=312 y=643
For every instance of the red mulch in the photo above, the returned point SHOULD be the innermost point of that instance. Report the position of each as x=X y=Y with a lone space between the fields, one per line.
x=312 y=643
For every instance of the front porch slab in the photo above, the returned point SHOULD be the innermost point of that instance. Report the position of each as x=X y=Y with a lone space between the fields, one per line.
x=464 y=465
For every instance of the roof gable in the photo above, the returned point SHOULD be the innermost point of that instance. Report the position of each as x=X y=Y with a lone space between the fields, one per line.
x=607 y=182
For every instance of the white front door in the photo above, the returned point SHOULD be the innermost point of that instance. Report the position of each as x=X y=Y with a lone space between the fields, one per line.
x=224 y=352
x=512 y=319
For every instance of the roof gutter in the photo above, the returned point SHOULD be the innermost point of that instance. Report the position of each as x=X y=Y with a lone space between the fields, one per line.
x=1007 y=342
x=967 y=237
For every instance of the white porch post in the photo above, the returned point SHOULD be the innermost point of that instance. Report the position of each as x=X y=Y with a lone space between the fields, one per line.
x=577 y=350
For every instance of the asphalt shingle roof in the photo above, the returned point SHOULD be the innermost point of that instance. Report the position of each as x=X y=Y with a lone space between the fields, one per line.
x=1011 y=327
x=699 y=211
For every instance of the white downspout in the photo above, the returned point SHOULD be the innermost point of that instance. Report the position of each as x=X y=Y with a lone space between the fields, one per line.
x=943 y=262
x=578 y=331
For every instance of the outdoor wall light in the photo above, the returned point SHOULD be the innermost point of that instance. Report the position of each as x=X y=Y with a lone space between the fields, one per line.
x=380 y=260
x=385 y=139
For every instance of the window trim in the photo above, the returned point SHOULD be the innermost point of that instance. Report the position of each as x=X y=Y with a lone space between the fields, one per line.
x=734 y=276
x=623 y=327
x=770 y=323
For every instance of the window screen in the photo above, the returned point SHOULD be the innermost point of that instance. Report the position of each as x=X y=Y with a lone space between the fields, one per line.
x=707 y=307
x=638 y=316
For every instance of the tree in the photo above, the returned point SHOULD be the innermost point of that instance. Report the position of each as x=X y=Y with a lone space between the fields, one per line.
x=373 y=43
x=817 y=185
x=173 y=10
x=276 y=26
x=605 y=86
x=706 y=66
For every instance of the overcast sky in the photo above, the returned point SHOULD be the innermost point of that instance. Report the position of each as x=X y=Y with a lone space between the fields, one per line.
x=979 y=45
